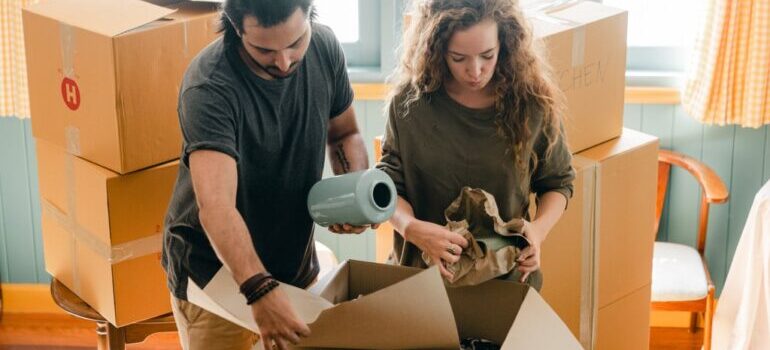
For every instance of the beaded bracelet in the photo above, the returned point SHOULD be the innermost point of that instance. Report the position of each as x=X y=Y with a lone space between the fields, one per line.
x=254 y=282
x=261 y=292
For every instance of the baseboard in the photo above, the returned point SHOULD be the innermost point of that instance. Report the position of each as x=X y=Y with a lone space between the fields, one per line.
x=28 y=298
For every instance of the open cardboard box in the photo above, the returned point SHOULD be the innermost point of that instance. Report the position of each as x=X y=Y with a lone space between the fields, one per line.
x=364 y=305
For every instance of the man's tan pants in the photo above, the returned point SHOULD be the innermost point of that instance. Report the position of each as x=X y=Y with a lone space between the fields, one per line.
x=203 y=330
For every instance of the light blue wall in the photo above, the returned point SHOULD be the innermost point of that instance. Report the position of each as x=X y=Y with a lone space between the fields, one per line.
x=21 y=250
x=740 y=156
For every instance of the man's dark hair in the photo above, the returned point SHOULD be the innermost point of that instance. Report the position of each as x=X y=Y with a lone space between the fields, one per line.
x=267 y=12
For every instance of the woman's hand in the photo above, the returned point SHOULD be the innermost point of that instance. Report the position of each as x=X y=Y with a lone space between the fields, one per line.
x=441 y=245
x=529 y=258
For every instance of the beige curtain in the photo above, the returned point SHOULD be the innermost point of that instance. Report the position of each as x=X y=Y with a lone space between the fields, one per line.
x=14 y=100
x=729 y=82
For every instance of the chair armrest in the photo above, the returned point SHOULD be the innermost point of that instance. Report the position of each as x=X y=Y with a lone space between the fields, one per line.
x=714 y=189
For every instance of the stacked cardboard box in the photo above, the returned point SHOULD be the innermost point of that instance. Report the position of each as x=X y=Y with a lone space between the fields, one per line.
x=586 y=48
x=103 y=80
x=597 y=260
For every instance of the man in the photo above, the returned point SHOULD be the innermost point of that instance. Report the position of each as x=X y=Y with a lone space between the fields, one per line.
x=256 y=109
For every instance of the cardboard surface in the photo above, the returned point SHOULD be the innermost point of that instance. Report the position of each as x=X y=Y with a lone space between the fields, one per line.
x=567 y=255
x=106 y=89
x=377 y=306
x=601 y=249
x=586 y=47
x=102 y=233
x=625 y=323
x=626 y=188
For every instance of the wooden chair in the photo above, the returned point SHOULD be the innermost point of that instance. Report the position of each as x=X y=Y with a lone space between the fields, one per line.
x=681 y=279
x=1 y=301
x=109 y=337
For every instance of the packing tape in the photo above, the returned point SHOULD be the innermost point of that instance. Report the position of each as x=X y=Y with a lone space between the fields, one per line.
x=80 y=235
x=586 y=295
x=113 y=254
x=597 y=233
x=72 y=139
x=69 y=178
x=186 y=42
x=67 y=45
x=578 y=46
x=543 y=12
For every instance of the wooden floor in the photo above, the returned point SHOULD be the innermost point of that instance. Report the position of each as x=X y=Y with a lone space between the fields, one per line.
x=61 y=332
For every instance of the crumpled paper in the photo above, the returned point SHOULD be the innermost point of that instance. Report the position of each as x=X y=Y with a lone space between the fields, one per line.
x=493 y=244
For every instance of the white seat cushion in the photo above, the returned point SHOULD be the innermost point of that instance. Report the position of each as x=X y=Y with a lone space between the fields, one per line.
x=326 y=259
x=677 y=273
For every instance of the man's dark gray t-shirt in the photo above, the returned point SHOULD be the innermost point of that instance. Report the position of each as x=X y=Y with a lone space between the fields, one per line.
x=276 y=132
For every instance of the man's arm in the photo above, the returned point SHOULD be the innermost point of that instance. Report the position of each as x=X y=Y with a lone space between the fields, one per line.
x=215 y=178
x=345 y=144
x=347 y=154
x=215 y=182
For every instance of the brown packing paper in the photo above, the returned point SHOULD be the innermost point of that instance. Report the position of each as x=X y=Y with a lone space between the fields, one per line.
x=375 y=306
x=493 y=245
x=102 y=233
x=104 y=76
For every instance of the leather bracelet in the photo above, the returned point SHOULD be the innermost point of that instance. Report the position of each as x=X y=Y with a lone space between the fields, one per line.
x=261 y=292
x=254 y=282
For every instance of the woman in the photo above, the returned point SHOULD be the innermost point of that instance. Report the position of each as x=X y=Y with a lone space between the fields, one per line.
x=473 y=105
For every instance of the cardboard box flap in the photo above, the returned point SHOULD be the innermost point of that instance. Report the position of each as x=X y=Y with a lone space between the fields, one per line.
x=630 y=141
x=538 y=327
x=585 y=12
x=558 y=16
x=108 y=18
x=411 y=314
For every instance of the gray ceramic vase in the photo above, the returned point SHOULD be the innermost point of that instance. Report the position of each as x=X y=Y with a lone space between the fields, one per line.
x=360 y=198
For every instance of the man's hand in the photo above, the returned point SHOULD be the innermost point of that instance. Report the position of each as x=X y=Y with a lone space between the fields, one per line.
x=278 y=324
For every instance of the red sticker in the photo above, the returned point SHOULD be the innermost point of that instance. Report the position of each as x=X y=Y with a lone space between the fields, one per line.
x=70 y=93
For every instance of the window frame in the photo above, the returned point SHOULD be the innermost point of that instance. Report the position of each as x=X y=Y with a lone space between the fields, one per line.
x=656 y=66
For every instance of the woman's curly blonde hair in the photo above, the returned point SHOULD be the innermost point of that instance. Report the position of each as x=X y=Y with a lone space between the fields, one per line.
x=522 y=81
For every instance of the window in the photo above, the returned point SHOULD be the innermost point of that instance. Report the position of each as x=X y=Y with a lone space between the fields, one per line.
x=356 y=23
x=661 y=34
x=342 y=18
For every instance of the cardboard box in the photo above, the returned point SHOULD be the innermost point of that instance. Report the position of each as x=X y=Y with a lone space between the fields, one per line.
x=102 y=233
x=567 y=258
x=363 y=305
x=104 y=76
x=625 y=324
x=626 y=190
x=586 y=46
x=600 y=251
